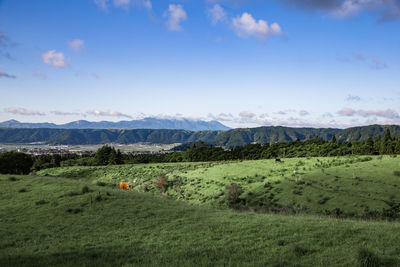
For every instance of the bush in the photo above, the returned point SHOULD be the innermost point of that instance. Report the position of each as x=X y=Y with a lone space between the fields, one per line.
x=41 y=202
x=337 y=212
x=323 y=200
x=161 y=183
x=299 y=251
x=12 y=179
x=85 y=189
x=232 y=194
x=72 y=193
x=74 y=211
x=15 y=163
x=101 y=183
x=367 y=258
x=23 y=190
x=396 y=173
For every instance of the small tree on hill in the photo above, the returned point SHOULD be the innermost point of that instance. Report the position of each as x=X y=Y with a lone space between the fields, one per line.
x=112 y=160
x=232 y=194
x=102 y=155
x=119 y=159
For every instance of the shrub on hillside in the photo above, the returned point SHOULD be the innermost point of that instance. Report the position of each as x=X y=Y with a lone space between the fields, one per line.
x=299 y=250
x=15 y=163
x=161 y=183
x=85 y=189
x=367 y=258
x=232 y=194
x=396 y=173
x=41 y=202
x=101 y=183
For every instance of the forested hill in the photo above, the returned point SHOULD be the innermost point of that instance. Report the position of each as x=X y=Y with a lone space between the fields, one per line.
x=231 y=138
x=93 y=136
x=271 y=134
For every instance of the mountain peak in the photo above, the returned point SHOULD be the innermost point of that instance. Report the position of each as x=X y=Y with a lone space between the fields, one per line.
x=145 y=123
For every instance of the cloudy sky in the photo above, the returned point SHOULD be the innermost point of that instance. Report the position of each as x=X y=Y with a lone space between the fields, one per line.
x=333 y=63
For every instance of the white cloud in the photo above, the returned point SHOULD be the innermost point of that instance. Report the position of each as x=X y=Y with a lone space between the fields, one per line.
x=122 y=3
x=7 y=75
x=147 y=4
x=353 y=98
x=110 y=113
x=77 y=45
x=23 y=111
x=247 y=114
x=386 y=113
x=138 y=3
x=388 y=9
x=217 y=14
x=62 y=113
x=103 y=4
x=327 y=115
x=57 y=60
x=221 y=117
x=304 y=113
x=348 y=8
x=346 y=112
x=126 y=4
x=246 y=26
x=175 y=15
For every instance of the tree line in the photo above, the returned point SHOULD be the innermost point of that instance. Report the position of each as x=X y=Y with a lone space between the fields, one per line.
x=19 y=163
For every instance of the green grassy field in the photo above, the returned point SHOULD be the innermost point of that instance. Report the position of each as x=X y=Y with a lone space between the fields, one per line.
x=48 y=221
x=359 y=186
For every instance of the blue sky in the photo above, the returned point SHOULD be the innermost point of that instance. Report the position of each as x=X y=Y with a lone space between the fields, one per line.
x=333 y=63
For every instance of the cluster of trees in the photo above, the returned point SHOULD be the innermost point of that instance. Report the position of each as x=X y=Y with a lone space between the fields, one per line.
x=310 y=148
x=106 y=155
x=15 y=163
x=19 y=163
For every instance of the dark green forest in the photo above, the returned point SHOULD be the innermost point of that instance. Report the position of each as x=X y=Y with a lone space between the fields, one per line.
x=228 y=139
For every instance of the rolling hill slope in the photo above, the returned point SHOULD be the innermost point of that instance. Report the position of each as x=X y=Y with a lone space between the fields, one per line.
x=64 y=224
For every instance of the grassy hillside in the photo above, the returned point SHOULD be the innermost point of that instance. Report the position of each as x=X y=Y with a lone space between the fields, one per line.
x=48 y=221
x=358 y=186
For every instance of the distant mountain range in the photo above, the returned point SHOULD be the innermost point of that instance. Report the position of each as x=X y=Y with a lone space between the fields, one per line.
x=230 y=138
x=146 y=123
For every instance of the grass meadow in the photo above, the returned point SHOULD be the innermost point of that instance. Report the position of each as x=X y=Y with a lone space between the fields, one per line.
x=49 y=221
x=358 y=186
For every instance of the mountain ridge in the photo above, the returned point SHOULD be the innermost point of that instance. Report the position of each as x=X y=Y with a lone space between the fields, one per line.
x=145 y=123
x=230 y=138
